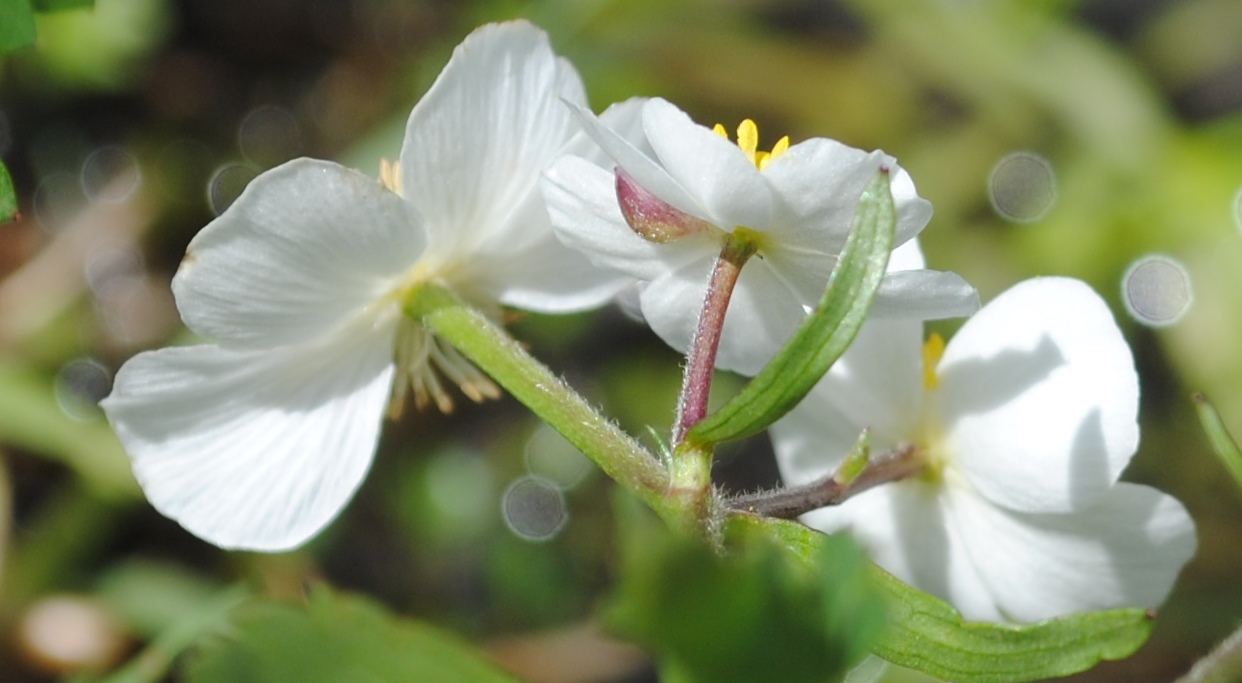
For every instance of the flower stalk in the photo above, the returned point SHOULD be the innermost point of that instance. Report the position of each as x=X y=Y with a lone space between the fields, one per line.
x=548 y=396
x=701 y=359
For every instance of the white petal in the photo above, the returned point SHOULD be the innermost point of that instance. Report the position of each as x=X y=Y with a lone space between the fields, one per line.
x=549 y=277
x=308 y=245
x=878 y=383
x=817 y=184
x=253 y=449
x=533 y=270
x=906 y=529
x=582 y=201
x=635 y=159
x=924 y=295
x=711 y=169
x=1040 y=397
x=671 y=302
x=478 y=140
x=908 y=256
x=624 y=119
x=1125 y=551
x=763 y=314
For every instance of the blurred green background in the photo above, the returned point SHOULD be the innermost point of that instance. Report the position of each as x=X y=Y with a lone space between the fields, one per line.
x=130 y=125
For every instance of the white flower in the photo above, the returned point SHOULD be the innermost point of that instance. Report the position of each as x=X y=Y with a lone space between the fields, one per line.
x=687 y=187
x=1025 y=423
x=259 y=440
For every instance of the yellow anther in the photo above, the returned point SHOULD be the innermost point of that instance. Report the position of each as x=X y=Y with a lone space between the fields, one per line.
x=748 y=138
x=748 y=142
x=390 y=175
x=932 y=351
x=762 y=159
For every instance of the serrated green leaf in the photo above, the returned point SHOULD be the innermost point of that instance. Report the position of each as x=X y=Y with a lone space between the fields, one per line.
x=17 y=30
x=824 y=334
x=337 y=638
x=755 y=614
x=1218 y=435
x=927 y=634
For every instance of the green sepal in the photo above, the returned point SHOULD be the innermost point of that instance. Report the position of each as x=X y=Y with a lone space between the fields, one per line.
x=824 y=334
x=927 y=634
x=336 y=638
x=754 y=612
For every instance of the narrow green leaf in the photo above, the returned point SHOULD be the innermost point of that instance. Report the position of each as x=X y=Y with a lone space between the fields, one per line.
x=337 y=638
x=757 y=613
x=1218 y=435
x=826 y=332
x=927 y=634
x=17 y=30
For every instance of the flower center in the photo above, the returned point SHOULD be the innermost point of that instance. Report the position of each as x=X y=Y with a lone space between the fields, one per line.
x=420 y=356
x=930 y=438
x=748 y=141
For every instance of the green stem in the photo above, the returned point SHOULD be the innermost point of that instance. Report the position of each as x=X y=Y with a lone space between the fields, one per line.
x=547 y=395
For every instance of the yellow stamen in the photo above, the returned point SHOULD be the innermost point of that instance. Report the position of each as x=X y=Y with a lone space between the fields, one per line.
x=420 y=357
x=390 y=175
x=748 y=138
x=932 y=351
x=748 y=142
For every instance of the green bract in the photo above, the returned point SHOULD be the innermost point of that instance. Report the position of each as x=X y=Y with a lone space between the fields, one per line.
x=826 y=332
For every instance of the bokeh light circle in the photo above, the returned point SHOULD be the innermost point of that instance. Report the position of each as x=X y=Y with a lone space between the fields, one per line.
x=57 y=201
x=110 y=175
x=226 y=185
x=269 y=135
x=554 y=459
x=80 y=385
x=1022 y=187
x=534 y=508
x=1156 y=290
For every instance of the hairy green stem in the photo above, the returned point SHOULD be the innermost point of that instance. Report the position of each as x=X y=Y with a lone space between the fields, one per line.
x=547 y=395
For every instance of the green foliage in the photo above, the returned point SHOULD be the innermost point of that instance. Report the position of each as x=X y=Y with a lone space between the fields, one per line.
x=755 y=614
x=337 y=638
x=1218 y=435
x=61 y=5
x=925 y=633
x=31 y=418
x=8 y=197
x=824 y=335
x=17 y=30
